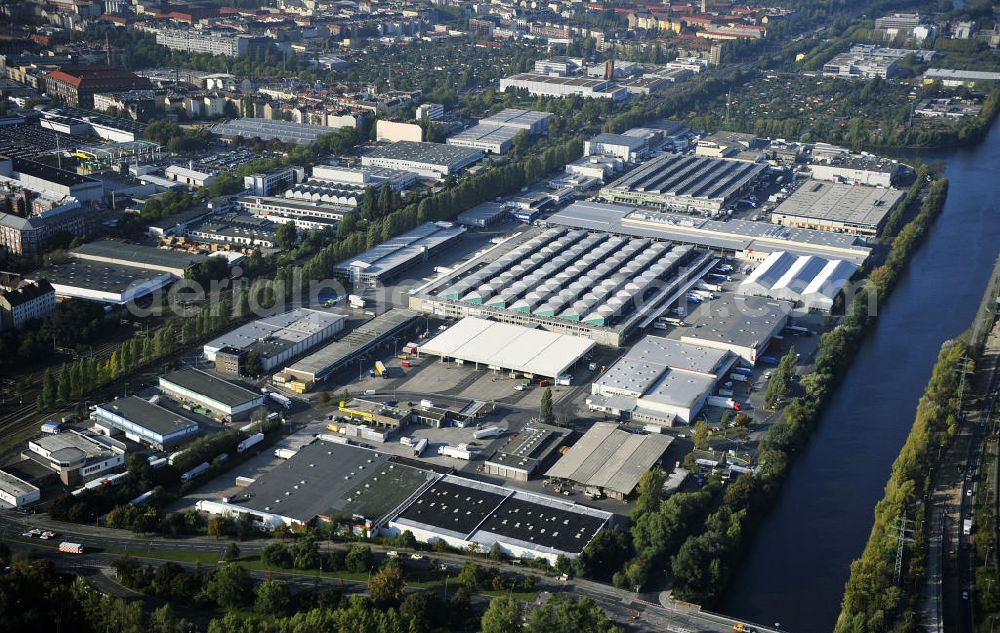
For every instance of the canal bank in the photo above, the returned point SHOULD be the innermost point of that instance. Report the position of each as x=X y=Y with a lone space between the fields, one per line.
x=795 y=570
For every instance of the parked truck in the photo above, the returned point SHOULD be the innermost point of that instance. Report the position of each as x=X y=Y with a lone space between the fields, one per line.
x=284 y=401
x=195 y=472
x=725 y=403
x=419 y=448
x=967 y=527
x=704 y=285
x=744 y=371
x=70 y=548
x=257 y=438
x=380 y=368
x=490 y=431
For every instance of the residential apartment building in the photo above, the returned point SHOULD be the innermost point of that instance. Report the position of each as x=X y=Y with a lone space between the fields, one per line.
x=30 y=301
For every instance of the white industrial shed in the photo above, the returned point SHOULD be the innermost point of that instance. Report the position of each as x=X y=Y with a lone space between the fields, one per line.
x=505 y=346
x=813 y=282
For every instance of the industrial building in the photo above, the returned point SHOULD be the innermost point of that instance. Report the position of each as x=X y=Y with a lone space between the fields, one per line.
x=592 y=285
x=952 y=77
x=508 y=347
x=323 y=191
x=599 y=167
x=366 y=175
x=532 y=121
x=526 y=452
x=270 y=129
x=660 y=381
x=864 y=61
x=76 y=457
x=144 y=421
x=829 y=162
x=694 y=184
x=16 y=492
x=484 y=215
x=113 y=284
x=222 y=399
x=427 y=160
x=830 y=206
x=278 y=338
x=301 y=212
x=549 y=86
x=492 y=139
x=743 y=325
x=351 y=348
x=810 y=282
x=630 y=149
x=121 y=253
x=745 y=239
x=50 y=180
x=274 y=181
x=469 y=514
x=387 y=260
x=610 y=460
x=187 y=176
x=239 y=230
x=332 y=482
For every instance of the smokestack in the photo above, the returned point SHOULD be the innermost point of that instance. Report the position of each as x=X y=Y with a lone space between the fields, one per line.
x=609 y=70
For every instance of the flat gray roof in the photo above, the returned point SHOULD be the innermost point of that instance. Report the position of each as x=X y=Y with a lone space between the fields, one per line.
x=148 y=415
x=581 y=82
x=515 y=117
x=283 y=329
x=210 y=386
x=426 y=153
x=484 y=211
x=137 y=254
x=631 y=142
x=607 y=457
x=856 y=205
x=333 y=480
x=734 y=320
x=486 y=133
x=267 y=129
x=15 y=486
x=100 y=276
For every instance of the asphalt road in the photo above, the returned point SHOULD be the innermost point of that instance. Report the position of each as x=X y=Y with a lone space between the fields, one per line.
x=622 y=606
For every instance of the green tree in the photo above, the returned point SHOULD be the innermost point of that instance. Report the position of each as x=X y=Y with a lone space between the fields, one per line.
x=502 y=616
x=230 y=587
x=545 y=412
x=386 y=586
x=253 y=366
x=359 y=559
x=286 y=235
x=49 y=389
x=273 y=598
x=231 y=553
x=700 y=435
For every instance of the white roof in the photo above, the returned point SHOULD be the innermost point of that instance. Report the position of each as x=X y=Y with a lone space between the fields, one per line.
x=509 y=346
x=812 y=281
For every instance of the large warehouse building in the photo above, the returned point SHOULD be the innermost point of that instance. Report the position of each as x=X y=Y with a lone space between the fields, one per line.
x=128 y=254
x=377 y=494
x=549 y=86
x=810 y=282
x=739 y=324
x=532 y=121
x=660 y=381
x=593 y=285
x=679 y=182
x=428 y=160
x=830 y=206
x=745 y=239
x=352 y=347
x=146 y=422
x=508 y=347
x=469 y=514
x=492 y=139
x=221 y=398
x=397 y=254
x=278 y=338
x=16 y=492
x=610 y=460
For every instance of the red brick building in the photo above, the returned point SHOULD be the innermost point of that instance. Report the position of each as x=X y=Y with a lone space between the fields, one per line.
x=76 y=85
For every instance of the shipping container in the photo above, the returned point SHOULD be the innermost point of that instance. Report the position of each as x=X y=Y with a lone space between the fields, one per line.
x=458 y=452
x=70 y=548
x=141 y=499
